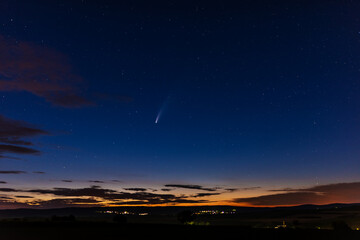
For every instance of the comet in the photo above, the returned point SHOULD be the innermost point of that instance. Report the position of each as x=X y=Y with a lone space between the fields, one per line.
x=158 y=116
x=162 y=109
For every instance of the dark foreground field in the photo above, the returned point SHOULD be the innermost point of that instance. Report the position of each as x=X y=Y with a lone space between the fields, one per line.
x=92 y=230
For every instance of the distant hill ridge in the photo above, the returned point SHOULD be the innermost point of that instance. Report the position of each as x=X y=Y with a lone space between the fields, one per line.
x=166 y=210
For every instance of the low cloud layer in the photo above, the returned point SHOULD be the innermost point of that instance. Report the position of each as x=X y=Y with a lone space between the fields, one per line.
x=93 y=195
x=195 y=187
x=322 y=194
x=11 y=203
x=99 y=196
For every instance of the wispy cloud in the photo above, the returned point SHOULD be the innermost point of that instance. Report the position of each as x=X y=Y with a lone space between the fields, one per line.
x=44 y=72
x=196 y=187
x=166 y=189
x=12 y=132
x=67 y=181
x=9 y=190
x=96 y=181
x=205 y=195
x=24 y=197
x=136 y=189
x=12 y=172
x=4 y=148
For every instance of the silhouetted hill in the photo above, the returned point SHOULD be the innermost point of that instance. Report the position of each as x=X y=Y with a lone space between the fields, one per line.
x=170 y=210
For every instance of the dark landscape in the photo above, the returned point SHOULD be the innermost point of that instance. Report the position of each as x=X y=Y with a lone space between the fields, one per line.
x=336 y=221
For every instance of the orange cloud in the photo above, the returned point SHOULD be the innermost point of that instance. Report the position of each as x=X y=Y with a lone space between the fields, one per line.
x=322 y=194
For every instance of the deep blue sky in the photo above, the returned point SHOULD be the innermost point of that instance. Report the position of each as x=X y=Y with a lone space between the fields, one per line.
x=258 y=94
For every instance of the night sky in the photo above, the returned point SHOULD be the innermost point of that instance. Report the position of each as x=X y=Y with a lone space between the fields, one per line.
x=112 y=103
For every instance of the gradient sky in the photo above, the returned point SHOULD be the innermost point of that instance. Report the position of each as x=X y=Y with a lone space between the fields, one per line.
x=179 y=102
